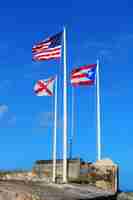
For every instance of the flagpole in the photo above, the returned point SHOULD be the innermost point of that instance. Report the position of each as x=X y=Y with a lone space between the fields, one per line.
x=65 y=114
x=55 y=132
x=72 y=126
x=98 y=113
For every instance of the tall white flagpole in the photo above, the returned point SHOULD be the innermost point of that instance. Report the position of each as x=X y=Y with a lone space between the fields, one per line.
x=72 y=126
x=55 y=132
x=65 y=114
x=98 y=113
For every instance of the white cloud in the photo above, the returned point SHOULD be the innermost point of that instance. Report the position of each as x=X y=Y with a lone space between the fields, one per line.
x=5 y=84
x=109 y=49
x=3 y=110
x=6 y=117
x=46 y=120
x=12 y=120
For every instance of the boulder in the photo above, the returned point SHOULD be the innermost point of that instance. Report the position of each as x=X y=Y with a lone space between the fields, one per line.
x=125 y=196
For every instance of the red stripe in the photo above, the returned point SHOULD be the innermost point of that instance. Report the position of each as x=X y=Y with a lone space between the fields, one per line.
x=48 y=55
x=80 y=76
x=89 y=82
x=38 y=46
x=50 y=49
x=54 y=49
x=47 y=52
x=43 y=43
x=52 y=55
x=38 y=49
x=91 y=66
x=42 y=58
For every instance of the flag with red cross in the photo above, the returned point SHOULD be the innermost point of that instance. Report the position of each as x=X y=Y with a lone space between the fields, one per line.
x=44 y=87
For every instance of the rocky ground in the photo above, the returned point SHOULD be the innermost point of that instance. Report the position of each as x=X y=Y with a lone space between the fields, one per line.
x=15 y=191
x=32 y=191
x=35 y=191
x=125 y=196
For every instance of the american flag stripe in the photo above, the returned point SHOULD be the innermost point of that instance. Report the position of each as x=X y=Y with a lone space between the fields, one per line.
x=48 y=49
x=46 y=57
x=41 y=44
x=52 y=56
x=48 y=53
x=51 y=50
x=40 y=47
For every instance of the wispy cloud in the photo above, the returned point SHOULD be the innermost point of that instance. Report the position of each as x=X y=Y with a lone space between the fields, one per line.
x=4 y=48
x=5 y=85
x=46 y=120
x=12 y=120
x=105 y=53
x=111 y=47
x=7 y=118
x=3 y=110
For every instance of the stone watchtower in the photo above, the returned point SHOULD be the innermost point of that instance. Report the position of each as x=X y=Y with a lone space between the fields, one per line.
x=107 y=173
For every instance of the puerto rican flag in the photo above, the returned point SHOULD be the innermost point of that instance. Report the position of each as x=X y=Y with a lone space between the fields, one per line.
x=44 y=87
x=85 y=75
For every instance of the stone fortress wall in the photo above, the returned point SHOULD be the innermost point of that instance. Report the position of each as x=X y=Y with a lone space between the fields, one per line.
x=102 y=174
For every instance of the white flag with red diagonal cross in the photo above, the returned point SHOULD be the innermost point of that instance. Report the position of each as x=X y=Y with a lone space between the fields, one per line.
x=44 y=87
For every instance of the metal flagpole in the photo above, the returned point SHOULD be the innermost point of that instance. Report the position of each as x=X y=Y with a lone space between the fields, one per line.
x=98 y=113
x=72 y=127
x=55 y=130
x=65 y=114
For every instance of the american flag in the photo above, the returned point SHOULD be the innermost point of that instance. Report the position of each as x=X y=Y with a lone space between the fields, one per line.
x=48 y=49
x=84 y=75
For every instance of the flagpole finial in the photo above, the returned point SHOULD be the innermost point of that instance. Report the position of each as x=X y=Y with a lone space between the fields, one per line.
x=97 y=60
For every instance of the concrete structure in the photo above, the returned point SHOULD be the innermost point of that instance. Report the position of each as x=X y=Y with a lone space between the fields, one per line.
x=44 y=168
x=102 y=174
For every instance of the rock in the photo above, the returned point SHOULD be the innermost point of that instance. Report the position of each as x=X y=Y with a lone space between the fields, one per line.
x=125 y=196
x=103 y=184
x=122 y=196
x=14 y=196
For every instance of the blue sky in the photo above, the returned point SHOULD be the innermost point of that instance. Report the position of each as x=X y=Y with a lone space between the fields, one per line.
x=94 y=29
